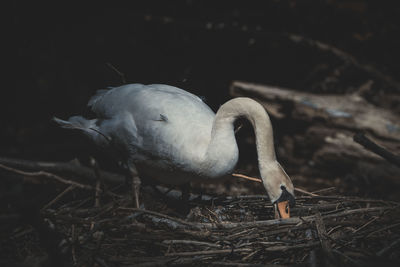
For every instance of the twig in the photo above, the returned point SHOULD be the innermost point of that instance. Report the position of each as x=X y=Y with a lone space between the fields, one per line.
x=313 y=253
x=67 y=168
x=73 y=252
x=58 y=197
x=250 y=255
x=208 y=252
x=99 y=182
x=383 y=229
x=305 y=192
x=101 y=262
x=286 y=248
x=247 y=177
x=323 y=190
x=377 y=149
x=48 y=175
x=354 y=262
x=137 y=210
x=326 y=246
x=237 y=264
x=345 y=57
x=191 y=242
x=289 y=221
x=365 y=225
x=260 y=181
x=387 y=249
x=117 y=71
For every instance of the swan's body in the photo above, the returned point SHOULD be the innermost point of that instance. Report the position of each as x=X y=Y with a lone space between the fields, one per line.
x=172 y=136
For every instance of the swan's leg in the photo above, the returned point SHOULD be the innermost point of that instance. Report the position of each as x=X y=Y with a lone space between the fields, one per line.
x=135 y=185
x=185 y=197
x=185 y=192
x=136 y=189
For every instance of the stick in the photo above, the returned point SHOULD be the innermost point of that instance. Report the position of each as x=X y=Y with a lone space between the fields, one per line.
x=247 y=177
x=324 y=190
x=117 y=71
x=48 y=175
x=137 y=210
x=377 y=149
x=74 y=238
x=53 y=177
x=289 y=221
x=321 y=230
x=387 y=249
x=58 y=197
x=260 y=181
x=208 y=252
x=346 y=58
x=68 y=168
x=99 y=182
x=313 y=253
x=191 y=242
x=305 y=192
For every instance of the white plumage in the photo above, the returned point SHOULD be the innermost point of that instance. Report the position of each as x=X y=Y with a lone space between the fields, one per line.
x=172 y=136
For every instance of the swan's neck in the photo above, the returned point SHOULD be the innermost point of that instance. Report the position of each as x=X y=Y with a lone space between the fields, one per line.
x=222 y=152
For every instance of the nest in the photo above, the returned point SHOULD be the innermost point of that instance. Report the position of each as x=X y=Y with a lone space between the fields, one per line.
x=219 y=231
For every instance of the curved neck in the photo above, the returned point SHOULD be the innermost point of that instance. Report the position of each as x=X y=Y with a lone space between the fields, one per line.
x=222 y=152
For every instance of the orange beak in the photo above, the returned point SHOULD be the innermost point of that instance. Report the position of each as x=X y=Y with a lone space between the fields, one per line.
x=282 y=210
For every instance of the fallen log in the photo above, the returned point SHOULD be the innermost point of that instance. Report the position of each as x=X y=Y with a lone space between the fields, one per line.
x=340 y=111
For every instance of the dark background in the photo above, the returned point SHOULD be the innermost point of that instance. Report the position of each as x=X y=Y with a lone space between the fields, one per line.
x=63 y=52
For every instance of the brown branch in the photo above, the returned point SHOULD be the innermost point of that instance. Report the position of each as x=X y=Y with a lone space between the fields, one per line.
x=58 y=197
x=377 y=149
x=52 y=176
x=260 y=181
x=154 y=213
x=289 y=221
x=247 y=177
x=321 y=230
x=72 y=168
x=208 y=252
x=47 y=175
x=191 y=242
x=122 y=75
x=387 y=249
x=346 y=58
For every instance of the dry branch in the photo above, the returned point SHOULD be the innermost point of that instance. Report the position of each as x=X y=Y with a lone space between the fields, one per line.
x=72 y=168
x=345 y=57
x=47 y=175
x=370 y=145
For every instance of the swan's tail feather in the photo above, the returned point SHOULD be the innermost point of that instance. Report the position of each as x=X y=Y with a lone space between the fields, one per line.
x=88 y=127
x=76 y=122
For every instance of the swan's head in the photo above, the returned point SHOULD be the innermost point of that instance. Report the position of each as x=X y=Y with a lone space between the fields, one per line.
x=279 y=187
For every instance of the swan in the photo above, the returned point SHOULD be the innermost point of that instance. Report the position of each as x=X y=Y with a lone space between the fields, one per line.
x=172 y=136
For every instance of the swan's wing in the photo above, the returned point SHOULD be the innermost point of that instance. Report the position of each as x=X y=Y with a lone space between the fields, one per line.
x=108 y=102
x=156 y=122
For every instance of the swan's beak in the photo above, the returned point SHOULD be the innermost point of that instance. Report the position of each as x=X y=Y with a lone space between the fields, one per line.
x=282 y=210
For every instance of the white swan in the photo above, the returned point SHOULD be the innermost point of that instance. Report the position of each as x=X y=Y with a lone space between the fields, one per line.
x=172 y=136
